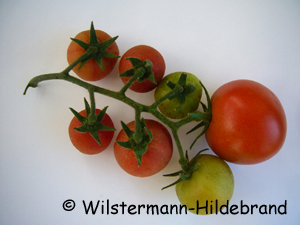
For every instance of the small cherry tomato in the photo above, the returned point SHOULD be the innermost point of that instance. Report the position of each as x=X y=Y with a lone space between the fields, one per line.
x=143 y=52
x=171 y=108
x=248 y=123
x=91 y=71
x=156 y=158
x=211 y=185
x=84 y=142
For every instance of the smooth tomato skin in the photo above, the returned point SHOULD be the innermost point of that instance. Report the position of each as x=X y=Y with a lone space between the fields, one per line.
x=91 y=71
x=158 y=155
x=213 y=180
x=248 y=123
x=167 y=107
x=143 y=52
x=84 y=142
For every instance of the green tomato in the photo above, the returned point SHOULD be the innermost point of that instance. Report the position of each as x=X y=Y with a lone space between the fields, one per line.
x=172 y=108
x=210 y=185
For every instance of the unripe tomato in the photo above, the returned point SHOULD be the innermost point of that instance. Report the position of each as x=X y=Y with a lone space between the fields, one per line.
x=212 y=181
x=170 y=108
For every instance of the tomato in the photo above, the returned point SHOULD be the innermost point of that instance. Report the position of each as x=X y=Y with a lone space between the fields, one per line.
x=171 y=108
x=143 y=52
x=211 y=184
x=84 y=142
x=91 y=71
x=156 y=158
x=248 y=123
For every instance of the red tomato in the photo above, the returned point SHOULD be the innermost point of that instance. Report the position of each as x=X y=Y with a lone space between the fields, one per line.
x=156 y=158
x=143 y=52
x=91 y=71
x=248 y=123
x=84 y=142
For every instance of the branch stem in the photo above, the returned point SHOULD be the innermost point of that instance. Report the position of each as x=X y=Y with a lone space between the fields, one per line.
x=120 y=95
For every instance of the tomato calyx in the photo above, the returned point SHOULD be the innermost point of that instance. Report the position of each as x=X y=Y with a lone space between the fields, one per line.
x=187 y=88
x=91 y=123
x=142 y=69
x=204 y=117
x=138 y=140
x=97 y=50
x=188 y=167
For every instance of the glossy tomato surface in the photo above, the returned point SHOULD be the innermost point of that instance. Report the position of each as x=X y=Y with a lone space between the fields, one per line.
x=84 y=142
x=143 y=52
x=156 y=158
x=170 y=107
x=212 y=182
x=248 y=123
x=91 y=71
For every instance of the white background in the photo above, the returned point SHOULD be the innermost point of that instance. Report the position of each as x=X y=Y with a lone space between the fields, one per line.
x=217 y=40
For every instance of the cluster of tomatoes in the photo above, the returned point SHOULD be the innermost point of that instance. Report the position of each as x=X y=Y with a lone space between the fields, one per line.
x=160 y=148
x=247 y=123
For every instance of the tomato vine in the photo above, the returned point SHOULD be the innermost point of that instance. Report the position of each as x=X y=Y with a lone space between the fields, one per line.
x=177 y=90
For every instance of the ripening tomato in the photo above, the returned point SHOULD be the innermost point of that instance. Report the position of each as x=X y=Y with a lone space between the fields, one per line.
x=156 y=158
x=143 y=52
x=248 y=123
x=91 y=71
x=171 y=108
x=211 y=185
x=84 y=142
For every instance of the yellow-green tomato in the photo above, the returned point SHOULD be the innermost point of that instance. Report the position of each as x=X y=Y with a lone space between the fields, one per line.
x=170 y=108
x=209 y=187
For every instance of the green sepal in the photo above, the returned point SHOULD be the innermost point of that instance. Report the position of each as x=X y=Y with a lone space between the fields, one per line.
x=91 y=126
x=128 y=73
x=142 y=69
x=94 y=134
x=78 y=116
x=87 y=107
x=187 y=88
x=127 y=131
x=172 y=184
x=200 y=135
x=189 y=169
x=82 y=129
x=100 y=48
x=204 y=117
x=194 y=160
x=139 y=151
x=175 y=174
x=138 y=145
x=125 y=144
x=199 y=125
x=136 y=62
x=82 y=44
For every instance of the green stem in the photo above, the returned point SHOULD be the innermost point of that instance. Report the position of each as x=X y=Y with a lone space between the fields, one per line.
x=188 y=119
x=138 y=136
x=92 y=116
x=91 y=50
x=177 y=89
x=129 y=83
x=139 y=108
x=183 y=161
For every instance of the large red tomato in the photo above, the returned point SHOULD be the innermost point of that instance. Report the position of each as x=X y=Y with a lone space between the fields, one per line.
x=84 y=142
x=248 y=123
x=143 y=52
x=156 y=158
x=91 y=71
